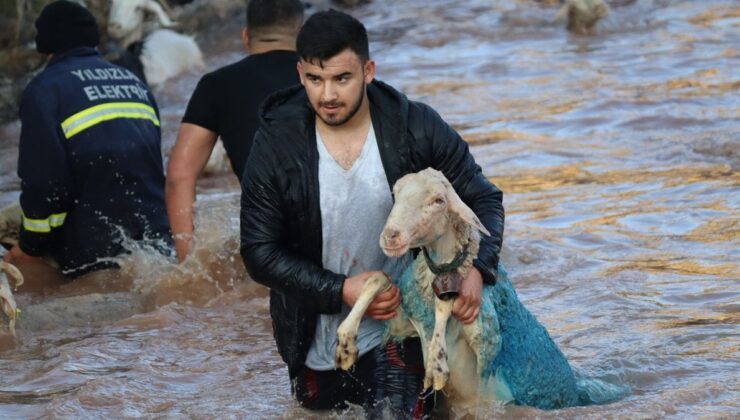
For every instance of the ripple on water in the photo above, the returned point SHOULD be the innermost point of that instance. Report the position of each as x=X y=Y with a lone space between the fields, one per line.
x=618 y=157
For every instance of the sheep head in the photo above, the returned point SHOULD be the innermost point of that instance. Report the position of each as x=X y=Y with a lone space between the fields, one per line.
x=126 y=19
x=426 y=206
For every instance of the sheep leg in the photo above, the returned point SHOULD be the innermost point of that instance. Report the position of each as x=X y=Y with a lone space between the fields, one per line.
x=7 y=302
x=346 y=354
x=473 y=334
x=13 y=272
x=437 y=372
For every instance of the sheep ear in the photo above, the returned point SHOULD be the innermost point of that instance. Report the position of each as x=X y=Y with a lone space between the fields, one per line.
x=462 y=210
x=156 y=8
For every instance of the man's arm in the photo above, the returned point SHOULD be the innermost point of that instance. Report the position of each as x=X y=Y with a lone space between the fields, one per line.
x=265 y=241
x=46 y=181
x=189 y=156
x=451 y=155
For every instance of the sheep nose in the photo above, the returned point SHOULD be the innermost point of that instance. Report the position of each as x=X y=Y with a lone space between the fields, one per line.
x=114 y=27
x=391 y=234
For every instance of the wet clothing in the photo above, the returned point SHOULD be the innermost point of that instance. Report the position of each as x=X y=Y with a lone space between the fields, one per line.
x=354 y=206
x=388 y=377
x=90 y=163
x=281 y=230
x=227 y=100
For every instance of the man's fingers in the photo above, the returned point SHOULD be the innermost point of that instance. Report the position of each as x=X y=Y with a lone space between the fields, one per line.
x=390 y=294
x=458 y=305
x=470 y=316
x=384 y=305
x=382 y=317
x=465 y=309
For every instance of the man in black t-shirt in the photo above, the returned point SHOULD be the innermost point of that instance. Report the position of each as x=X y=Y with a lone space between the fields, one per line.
x=225 y=104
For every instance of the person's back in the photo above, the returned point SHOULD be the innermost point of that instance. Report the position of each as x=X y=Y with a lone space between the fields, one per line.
x=89 y=157
x=225 y=104
x=227 y=100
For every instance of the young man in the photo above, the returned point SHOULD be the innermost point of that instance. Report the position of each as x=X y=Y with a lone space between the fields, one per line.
x=225 y=104
x=315 y=196
x=89 y=155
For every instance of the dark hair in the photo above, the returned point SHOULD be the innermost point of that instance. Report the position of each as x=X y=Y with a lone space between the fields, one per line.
x=267 y=13
x=328 y=33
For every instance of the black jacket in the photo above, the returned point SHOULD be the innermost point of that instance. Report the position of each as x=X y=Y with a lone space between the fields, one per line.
x=90 y=163
x=281 y=237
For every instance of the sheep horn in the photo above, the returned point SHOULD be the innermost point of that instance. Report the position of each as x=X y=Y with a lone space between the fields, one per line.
x=156 y=8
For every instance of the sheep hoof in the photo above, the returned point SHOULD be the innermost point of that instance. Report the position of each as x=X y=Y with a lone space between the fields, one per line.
x=437 y=373
x=347 y=353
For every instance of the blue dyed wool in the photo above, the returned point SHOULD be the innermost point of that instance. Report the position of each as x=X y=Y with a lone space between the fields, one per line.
x=517 y=347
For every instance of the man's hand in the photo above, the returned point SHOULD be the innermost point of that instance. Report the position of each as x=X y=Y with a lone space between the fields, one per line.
x=467 y=303
x=17 y=256
x=189 y=156
x=383 y=307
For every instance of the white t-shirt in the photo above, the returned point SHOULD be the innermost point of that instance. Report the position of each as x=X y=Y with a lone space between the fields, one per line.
x=355 y=204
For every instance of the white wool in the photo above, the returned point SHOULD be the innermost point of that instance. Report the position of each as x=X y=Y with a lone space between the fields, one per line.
x=166 y=54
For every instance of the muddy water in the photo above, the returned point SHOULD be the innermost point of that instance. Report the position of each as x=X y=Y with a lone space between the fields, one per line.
x=618 y=155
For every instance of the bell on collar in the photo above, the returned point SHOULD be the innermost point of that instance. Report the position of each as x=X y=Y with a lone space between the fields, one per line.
x=447 y=285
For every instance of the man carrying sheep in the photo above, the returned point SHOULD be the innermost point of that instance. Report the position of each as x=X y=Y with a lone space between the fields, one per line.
x=315 y=195
x=89 y=154
x=225 y=104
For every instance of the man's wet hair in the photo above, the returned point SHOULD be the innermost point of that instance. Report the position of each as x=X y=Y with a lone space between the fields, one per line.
x=328 y=33
x=274 y=13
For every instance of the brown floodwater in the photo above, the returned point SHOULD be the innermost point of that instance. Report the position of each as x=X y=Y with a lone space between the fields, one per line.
x=619 y=157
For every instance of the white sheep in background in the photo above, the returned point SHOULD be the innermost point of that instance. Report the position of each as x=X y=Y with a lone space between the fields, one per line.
x=165 y=53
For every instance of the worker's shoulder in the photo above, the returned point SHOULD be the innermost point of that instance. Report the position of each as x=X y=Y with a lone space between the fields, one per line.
x=255 y=65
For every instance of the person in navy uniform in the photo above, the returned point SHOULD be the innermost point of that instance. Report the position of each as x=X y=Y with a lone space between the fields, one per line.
x=89 y=154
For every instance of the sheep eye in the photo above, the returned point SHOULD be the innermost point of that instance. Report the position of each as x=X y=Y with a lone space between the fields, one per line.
x=439 y=201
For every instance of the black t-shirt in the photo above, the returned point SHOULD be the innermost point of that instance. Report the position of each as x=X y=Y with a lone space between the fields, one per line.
x=226 y=101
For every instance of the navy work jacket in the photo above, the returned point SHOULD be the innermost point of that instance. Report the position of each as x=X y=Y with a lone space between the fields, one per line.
x=90 y=163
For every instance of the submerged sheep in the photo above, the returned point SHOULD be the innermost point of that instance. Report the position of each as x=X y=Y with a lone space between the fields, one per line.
x=581 y=16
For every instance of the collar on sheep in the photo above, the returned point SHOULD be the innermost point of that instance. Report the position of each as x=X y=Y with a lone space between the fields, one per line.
x=450 y=266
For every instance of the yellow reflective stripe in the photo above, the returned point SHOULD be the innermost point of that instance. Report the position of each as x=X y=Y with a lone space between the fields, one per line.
x=44 y=225
x=105 y=112
x=56 y=220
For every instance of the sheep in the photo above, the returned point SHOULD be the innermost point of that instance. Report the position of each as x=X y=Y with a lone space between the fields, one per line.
x=164 y=52
x=7 y=301
x=127 y=19
x=581 y=16
x=504 y=356
x=10 y=224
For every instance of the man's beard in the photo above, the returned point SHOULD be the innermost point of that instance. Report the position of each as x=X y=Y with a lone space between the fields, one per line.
x=353 y=110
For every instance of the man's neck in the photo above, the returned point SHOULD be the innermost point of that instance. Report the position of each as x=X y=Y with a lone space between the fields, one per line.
x=259 y=47
x=345 y=142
